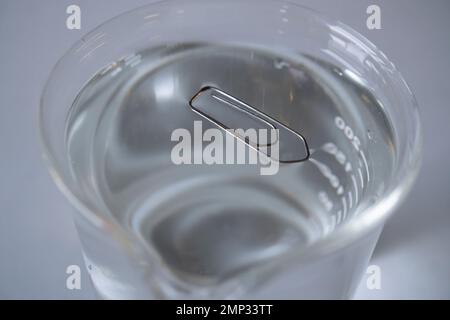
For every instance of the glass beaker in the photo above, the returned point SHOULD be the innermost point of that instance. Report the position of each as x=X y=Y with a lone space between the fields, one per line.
x=154 y=228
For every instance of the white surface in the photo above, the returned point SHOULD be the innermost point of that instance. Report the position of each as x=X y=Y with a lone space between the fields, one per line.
x=37 y=237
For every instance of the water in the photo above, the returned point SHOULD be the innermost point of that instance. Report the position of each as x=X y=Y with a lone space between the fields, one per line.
x=206 y=224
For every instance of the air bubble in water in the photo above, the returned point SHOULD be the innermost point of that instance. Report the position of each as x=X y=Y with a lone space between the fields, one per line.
x=280 y=64
x=370 y=135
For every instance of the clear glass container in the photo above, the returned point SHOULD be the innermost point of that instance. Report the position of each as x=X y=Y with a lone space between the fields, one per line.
x=151 y=228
